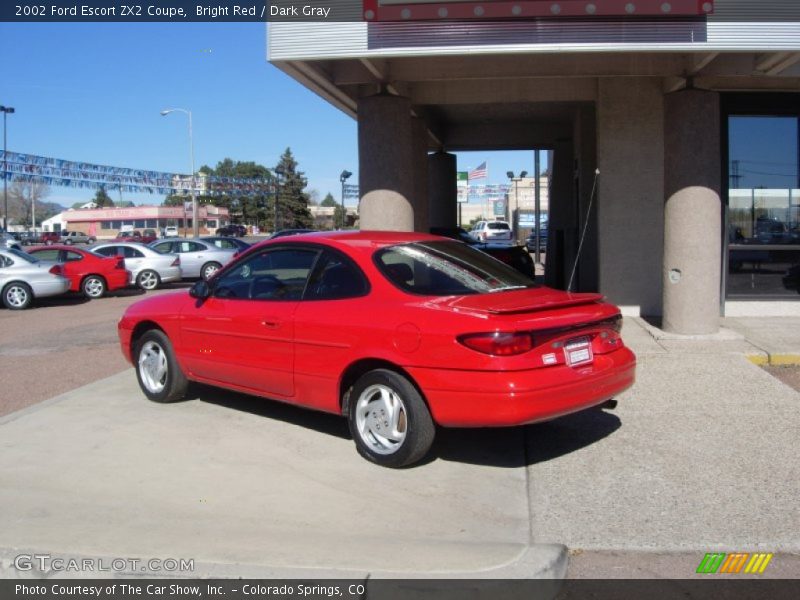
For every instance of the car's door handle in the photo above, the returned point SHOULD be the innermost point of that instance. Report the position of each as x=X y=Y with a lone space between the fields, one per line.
x=271 y=324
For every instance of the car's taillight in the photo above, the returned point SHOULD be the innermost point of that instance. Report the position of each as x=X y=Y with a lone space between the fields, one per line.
x=56 y=270
x=498 y=343
x=176 y=262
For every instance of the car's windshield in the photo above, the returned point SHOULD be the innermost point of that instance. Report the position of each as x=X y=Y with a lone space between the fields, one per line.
x=447 y=269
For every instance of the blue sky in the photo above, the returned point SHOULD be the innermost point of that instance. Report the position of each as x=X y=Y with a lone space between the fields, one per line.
x=92 y=92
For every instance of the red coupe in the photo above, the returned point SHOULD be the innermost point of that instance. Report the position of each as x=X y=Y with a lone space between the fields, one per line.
x=91 y=274
x=396 y=331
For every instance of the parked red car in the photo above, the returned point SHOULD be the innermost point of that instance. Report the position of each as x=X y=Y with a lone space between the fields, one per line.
x=50 y=238
x=91 y=274
x=396 y=331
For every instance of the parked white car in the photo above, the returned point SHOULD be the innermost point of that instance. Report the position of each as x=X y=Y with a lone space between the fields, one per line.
x=170 y=231
x=491 y=231
x=24 y=277
x=148 y=268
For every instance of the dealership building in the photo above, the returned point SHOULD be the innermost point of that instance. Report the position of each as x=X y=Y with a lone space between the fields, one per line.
x=681 y=116
x=104 y=223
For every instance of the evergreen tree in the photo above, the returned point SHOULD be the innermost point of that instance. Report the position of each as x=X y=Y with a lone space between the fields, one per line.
x=292 y=201
x=102 y=199
x=329 y=201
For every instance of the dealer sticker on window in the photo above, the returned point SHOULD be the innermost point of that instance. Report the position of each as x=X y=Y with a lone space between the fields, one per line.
x=578 y=351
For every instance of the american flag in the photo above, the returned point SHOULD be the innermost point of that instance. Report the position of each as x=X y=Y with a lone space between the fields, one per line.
x=478 y=172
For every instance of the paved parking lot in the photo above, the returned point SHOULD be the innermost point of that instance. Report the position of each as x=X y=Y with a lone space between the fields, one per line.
x=60 y=344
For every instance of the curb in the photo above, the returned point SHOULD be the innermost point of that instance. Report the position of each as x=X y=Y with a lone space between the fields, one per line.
x=540 y=561
x=774 y=360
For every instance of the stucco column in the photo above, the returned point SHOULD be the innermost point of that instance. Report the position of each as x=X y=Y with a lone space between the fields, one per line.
x=692 y=213
x=442 y=192
x=385 y=163
x=419 y=131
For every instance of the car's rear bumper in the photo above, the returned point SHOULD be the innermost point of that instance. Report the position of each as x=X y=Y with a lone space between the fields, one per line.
x=56 y=287
x=497 y=399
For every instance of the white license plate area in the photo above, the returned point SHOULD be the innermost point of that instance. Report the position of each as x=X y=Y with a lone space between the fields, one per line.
x=578 y=351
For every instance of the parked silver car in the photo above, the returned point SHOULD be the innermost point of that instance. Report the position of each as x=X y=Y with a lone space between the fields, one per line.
x=148 y=268
x=24 y=277
x=198 y=257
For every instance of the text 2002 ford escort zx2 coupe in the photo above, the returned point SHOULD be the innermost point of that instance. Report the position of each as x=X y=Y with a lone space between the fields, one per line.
x=396 y=331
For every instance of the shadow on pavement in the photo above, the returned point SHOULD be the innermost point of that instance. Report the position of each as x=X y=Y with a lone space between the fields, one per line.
x=272 y=409
x=507 y=447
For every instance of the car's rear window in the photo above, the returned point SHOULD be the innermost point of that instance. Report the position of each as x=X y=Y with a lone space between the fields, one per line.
x=447 y=269
x=499 y=226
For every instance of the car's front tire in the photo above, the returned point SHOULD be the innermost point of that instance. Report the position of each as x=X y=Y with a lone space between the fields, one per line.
x=389 y=420
x=148 y=280
x=93 y=287
x=157 y=369
x=208 y=270
x=17 y=295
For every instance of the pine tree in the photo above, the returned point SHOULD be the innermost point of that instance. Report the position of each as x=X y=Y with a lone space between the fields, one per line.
x=102 y=199
x=329 y=201
x=292 y=201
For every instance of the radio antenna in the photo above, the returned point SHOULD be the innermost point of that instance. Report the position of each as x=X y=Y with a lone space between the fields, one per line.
x=585 y=227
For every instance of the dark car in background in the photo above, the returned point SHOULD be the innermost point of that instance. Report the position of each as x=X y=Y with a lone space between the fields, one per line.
x=514 y=256
x=232 y=231
x=286 y=232
x=530 y=241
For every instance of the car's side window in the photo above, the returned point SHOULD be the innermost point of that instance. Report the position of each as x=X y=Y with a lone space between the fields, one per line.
x=72 y=256
x=225 y=244
x=336 y=277
x=189 y=247
x=279 y=274
x=129 y=252
x=163 y=247
x=109 y=251
x=47 y=254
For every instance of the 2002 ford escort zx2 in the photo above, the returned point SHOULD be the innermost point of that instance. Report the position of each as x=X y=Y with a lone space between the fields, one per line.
x=398 y=332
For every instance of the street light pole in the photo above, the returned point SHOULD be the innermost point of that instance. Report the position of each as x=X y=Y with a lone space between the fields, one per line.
x=6 y=110
x=195 y=220
x=344 y=176
x=515 y=219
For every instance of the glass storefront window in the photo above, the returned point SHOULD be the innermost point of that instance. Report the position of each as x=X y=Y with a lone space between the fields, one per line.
x=763 y=218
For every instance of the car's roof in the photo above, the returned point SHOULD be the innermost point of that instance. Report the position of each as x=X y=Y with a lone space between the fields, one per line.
x=357 y=238
x=56 y=247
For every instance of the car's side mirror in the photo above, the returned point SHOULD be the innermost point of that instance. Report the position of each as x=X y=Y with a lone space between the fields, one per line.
x=200 y=290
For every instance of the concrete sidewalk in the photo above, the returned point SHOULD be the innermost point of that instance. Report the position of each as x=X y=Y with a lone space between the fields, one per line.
x=699 y=456
x=252 y=488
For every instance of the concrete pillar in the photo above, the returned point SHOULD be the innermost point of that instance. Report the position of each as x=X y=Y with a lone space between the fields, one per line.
x=692 y=213
x=385 y=163
x=630 y=194
x=442 y=192
x=419 y=135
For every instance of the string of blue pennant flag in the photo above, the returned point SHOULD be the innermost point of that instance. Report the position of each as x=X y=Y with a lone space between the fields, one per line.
x=66 y=173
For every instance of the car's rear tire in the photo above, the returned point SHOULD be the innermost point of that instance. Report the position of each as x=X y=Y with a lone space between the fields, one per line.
x=93 y=286
x=157 y=369
x=389 y=420
x=68 y=242
x=17 y=295
x=148 y=280
x=209 y=269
